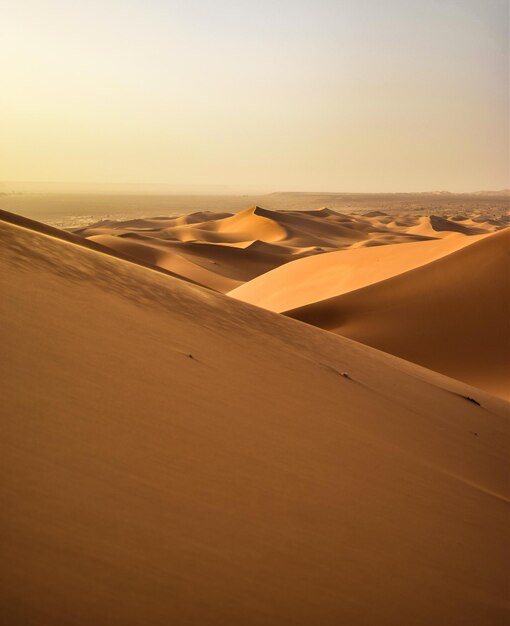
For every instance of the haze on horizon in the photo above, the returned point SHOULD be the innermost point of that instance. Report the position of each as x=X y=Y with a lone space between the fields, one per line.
x=346 y=95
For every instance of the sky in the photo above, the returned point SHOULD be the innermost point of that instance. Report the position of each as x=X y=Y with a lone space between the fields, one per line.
x=319 y=95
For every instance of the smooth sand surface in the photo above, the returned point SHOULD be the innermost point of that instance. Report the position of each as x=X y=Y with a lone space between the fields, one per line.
x=13 y=218
x=451 y=314
x=170 y=455
x=316 y=278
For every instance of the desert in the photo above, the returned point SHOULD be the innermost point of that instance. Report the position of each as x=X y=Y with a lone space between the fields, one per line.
x=179 y=452
x=255 y=313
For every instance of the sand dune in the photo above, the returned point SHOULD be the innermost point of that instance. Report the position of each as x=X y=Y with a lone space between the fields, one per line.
x=201 y=245
x=309 y=280
x=151 y=253
x=451 y=315
x=12 y=218
x=68 y=209
x=221 y=268
x=172 y=455
x=436 y=226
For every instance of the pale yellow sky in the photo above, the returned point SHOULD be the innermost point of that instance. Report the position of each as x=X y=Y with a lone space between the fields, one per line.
x=324 y=95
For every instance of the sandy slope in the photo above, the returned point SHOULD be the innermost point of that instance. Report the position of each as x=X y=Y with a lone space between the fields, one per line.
x=222 y=251
x=316 y=278
x=171 y=455
x=164 y=256
x=451 y=315
x=13 y=218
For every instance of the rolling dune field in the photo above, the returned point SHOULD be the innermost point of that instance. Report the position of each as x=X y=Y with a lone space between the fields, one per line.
x=172 y=454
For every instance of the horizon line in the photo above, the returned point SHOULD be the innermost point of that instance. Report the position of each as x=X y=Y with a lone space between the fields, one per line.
x=220 y=188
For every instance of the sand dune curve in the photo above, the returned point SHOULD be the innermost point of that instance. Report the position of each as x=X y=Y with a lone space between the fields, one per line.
x=451 y=315
x=319 y=277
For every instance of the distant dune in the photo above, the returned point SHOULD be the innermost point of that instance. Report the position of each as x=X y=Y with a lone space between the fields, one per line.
x=71 y=206
x=222 y=251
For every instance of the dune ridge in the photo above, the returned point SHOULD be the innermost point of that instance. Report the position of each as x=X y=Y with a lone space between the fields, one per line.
x=311 y=279
x=201 y=245
x=25 y=222
x=451 y=314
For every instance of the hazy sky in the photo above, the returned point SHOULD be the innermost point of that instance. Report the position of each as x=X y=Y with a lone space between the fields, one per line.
x=326 y=95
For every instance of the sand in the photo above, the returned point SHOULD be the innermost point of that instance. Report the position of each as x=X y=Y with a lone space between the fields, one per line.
x=173 y=455
x=72 y=207
x=442 y=304
x=316 y=278
x=223 y=251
